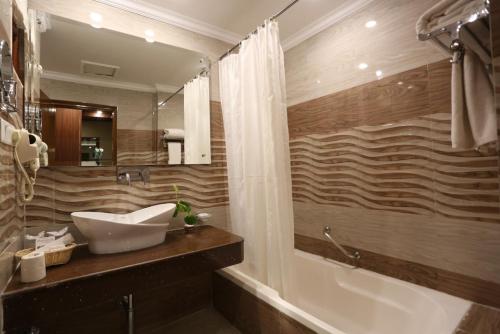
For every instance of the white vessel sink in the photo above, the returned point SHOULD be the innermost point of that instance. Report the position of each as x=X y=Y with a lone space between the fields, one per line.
x=114 y=233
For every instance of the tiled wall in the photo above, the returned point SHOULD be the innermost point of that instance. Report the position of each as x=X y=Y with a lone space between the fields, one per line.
x=62 y=190
x=11 y=213
x=373 y=159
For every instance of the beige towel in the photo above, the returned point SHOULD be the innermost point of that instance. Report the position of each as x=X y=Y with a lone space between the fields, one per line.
x=473 y=119
x=446 y=12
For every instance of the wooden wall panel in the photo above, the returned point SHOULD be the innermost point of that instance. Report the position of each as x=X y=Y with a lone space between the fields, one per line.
x=480 y=320
x=248 y=313
x=68 y=125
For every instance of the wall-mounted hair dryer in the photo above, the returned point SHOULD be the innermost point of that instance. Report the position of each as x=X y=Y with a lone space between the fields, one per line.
x=29 y=150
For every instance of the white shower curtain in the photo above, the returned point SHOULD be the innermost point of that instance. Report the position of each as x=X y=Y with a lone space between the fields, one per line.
x=197 y=121
x=252 y=88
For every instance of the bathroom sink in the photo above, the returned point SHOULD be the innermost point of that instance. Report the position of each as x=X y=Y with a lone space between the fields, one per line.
x=114 y=233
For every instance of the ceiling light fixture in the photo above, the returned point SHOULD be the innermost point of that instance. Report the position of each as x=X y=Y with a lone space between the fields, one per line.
x=379 y=73
x=363 y=66
x=96 y=20
x=150 y=35
x=371 y=24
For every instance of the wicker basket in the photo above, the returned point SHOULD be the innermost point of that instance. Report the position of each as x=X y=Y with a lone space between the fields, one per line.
x=52 y=258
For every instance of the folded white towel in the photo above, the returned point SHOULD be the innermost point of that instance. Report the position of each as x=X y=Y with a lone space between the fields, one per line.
x=173 y=134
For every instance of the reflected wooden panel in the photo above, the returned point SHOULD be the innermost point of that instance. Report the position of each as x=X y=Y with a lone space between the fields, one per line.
x=79 y=134
x=67 y=127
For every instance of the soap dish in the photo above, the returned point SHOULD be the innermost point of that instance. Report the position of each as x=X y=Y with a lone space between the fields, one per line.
x=52 y=258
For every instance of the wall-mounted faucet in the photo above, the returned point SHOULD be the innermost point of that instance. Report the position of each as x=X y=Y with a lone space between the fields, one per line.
x=124 y=178
x=125 y=175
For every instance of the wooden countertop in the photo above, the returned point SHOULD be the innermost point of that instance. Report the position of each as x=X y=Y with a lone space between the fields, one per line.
x=84 y=265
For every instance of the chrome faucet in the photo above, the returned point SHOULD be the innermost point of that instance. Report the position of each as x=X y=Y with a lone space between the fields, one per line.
x=126 y=177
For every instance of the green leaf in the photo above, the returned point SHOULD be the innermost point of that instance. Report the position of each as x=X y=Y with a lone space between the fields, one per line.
x=186 y=205
x=190 y=220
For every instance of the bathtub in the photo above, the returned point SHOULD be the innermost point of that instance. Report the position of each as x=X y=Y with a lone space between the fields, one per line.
x=329 y=297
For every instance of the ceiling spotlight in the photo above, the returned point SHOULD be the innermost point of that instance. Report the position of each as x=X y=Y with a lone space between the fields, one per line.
x=96 y=20
x=363 y=66
x=98 y=113
x=371 y=24
x=150 y=35
x=379 y=73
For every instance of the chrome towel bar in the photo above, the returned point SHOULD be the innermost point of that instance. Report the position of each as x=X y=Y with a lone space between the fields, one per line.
x=354 y=256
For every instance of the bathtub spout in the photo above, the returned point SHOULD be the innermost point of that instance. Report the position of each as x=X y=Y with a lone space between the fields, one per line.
x=354 y=256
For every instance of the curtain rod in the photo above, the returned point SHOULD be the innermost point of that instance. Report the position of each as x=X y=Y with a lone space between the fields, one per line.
x=275 y=16
x=162 y=103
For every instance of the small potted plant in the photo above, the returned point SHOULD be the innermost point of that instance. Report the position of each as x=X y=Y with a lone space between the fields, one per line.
x=190 y=219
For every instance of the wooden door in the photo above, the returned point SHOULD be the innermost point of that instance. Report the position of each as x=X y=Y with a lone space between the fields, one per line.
x=68 y=125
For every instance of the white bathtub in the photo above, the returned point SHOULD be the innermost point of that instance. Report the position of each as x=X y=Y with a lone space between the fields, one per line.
x=329 y=297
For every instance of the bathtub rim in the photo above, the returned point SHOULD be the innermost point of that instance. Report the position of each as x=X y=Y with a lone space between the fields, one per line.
x=455 y=307
x=271 y=297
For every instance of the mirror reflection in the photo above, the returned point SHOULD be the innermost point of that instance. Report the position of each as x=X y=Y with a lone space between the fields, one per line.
x=102 y=94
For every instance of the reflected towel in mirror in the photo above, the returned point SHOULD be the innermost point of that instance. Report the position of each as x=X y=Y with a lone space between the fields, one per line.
x=174 y=153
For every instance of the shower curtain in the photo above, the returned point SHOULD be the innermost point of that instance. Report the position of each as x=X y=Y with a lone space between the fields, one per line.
x=252 y=89
x=197 y=121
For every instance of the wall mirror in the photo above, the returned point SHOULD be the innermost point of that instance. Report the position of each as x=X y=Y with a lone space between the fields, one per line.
x=102 y=97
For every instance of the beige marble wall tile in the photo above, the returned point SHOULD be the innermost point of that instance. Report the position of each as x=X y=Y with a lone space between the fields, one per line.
x=468 y=247
x=328 y=62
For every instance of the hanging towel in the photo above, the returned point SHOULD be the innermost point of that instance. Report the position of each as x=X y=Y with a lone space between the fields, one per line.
x=473 y=119
x=174 y=153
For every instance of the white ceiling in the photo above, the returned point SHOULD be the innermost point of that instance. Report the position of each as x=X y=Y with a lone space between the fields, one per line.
x=230 y=20
x=67 y=43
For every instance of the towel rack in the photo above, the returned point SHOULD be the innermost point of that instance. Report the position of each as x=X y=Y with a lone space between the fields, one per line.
x=456 y=46
x=354 y=256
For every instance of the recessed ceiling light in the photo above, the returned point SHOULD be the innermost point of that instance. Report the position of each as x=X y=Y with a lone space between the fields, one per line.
x=363 y=66
x=371 y=24
x=150 y=35
x=96 y=20
x=98 y=113
x=400 y=83
x=379 y=73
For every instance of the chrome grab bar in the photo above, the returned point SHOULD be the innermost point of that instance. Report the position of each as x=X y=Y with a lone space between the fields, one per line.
x=355 y=256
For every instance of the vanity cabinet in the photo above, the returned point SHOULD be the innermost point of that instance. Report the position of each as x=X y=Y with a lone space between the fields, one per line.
x=166 y=282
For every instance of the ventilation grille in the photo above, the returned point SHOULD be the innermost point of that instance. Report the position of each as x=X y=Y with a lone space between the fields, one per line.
x=101 y=70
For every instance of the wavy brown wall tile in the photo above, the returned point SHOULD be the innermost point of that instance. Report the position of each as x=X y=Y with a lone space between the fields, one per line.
x=406 y=167
x=62 y=190
x=398 y=97
x=135 y=147
x=376 y=163
x=10 y=218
